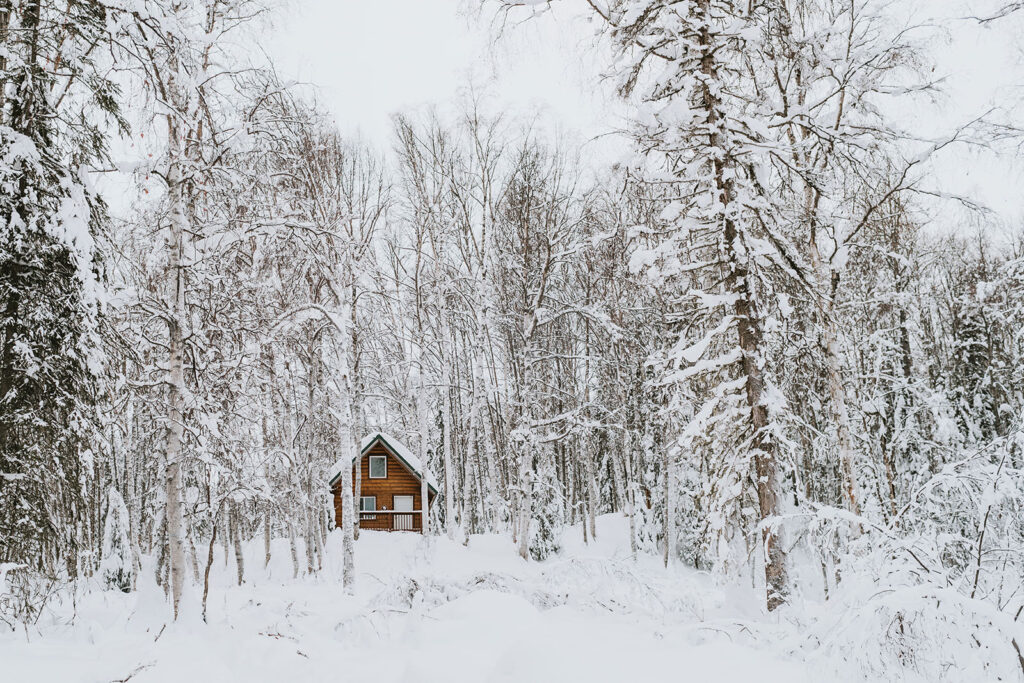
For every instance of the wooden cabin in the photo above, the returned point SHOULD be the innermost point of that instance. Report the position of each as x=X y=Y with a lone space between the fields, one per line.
x=391 y=476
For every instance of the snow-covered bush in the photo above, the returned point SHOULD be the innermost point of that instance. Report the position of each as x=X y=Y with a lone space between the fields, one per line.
x=6 y=603
x=25 y=593
x=648 y=506
x=922 y=632
x=939 y=591
x=117 y=569
x=548 y=517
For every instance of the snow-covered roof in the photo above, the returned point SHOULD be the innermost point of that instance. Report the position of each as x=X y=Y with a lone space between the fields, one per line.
x=400 y=451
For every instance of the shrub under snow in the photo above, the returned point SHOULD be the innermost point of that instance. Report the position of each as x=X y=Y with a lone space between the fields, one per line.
x=938 y=592
x=117 y=569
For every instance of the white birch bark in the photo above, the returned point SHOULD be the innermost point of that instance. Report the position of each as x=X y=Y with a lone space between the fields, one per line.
x=236 y=539
x=176 y=389
x=525 y=499
x=591 y=474
x=446 y=424
x=423 y=419
x=524 y=477
x=266 y=539
x=293 y=544
x=486 y=456
x=357 y=415
x=617 y=474
x=343 y=386
x=631 y=492
x=310 y=541
x=526 y=438
x=669 y=530
x=828 y=280
x=474 y=458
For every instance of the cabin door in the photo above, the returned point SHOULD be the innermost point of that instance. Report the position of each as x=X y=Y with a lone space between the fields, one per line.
x=403 y=522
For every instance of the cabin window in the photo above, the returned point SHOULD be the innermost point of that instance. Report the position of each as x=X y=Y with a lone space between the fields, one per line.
x=367 y=504
x=378 y=467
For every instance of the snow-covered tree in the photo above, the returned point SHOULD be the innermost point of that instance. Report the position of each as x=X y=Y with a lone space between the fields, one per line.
x=757 y=324
x=182 y=57
x=55 y=111
x=117 y=566
x=721 y=253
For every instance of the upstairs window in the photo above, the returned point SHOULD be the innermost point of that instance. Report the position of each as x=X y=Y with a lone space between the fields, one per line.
x=378 y=467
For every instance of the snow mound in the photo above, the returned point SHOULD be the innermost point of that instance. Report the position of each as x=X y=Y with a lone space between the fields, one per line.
x=429 y=609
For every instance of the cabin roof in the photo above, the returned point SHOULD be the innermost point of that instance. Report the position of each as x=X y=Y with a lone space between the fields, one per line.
x=397 y=448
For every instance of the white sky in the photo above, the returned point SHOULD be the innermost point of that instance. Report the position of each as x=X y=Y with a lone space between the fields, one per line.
x=371 y=58
x=983 y=68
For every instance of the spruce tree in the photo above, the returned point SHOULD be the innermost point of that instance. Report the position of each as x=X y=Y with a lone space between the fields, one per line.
x=548 y=516
x=117 y=568
x=51 y=130
x=720 y=261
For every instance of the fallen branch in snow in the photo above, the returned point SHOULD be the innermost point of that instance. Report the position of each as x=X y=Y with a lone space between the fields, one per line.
x=279 y=636
x=139 y=669
x=1016 y=647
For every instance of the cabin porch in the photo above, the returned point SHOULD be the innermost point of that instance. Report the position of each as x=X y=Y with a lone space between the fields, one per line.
x=390 y=520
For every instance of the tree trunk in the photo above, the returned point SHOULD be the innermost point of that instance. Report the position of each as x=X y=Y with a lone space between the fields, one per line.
x=357 y=410
x=749 y=332
x=446 y=436
x=176 y=390
x=310 y=544
x=266 y=539
x=226 y=540
x=348 y=448
x=193 y=555
x=423 y=418
x=631 y=448
x=236 y=538
x=829 y=281
x=618 y=467
x=481 y=444
x=762 y=446
x=668 y=527
x=591 y=474
x=294 y=544
x=525 y=499
x=209 y=564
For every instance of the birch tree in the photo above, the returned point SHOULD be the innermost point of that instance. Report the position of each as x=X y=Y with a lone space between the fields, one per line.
x=178 y=50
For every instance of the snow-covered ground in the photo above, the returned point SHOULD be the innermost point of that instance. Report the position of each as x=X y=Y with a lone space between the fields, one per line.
x=430 y=611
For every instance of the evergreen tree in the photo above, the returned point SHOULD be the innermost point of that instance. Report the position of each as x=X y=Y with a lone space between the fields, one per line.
x=721 y=258
x=548 y=516
x=51 y=130
x=117 y=568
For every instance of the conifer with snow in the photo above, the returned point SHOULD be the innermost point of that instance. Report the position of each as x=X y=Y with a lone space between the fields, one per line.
x=53 y=125
x=117 y=566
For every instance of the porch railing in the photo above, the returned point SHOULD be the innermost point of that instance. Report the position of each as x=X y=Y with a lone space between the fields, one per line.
x=390 y=520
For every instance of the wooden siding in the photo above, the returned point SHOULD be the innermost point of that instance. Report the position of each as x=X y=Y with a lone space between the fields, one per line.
x=399 y=482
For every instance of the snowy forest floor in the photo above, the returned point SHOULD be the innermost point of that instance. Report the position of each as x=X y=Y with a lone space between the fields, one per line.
x=432 y=611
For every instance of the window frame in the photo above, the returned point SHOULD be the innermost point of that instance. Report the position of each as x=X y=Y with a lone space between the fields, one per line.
x=367 y=515
x=369 y=466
